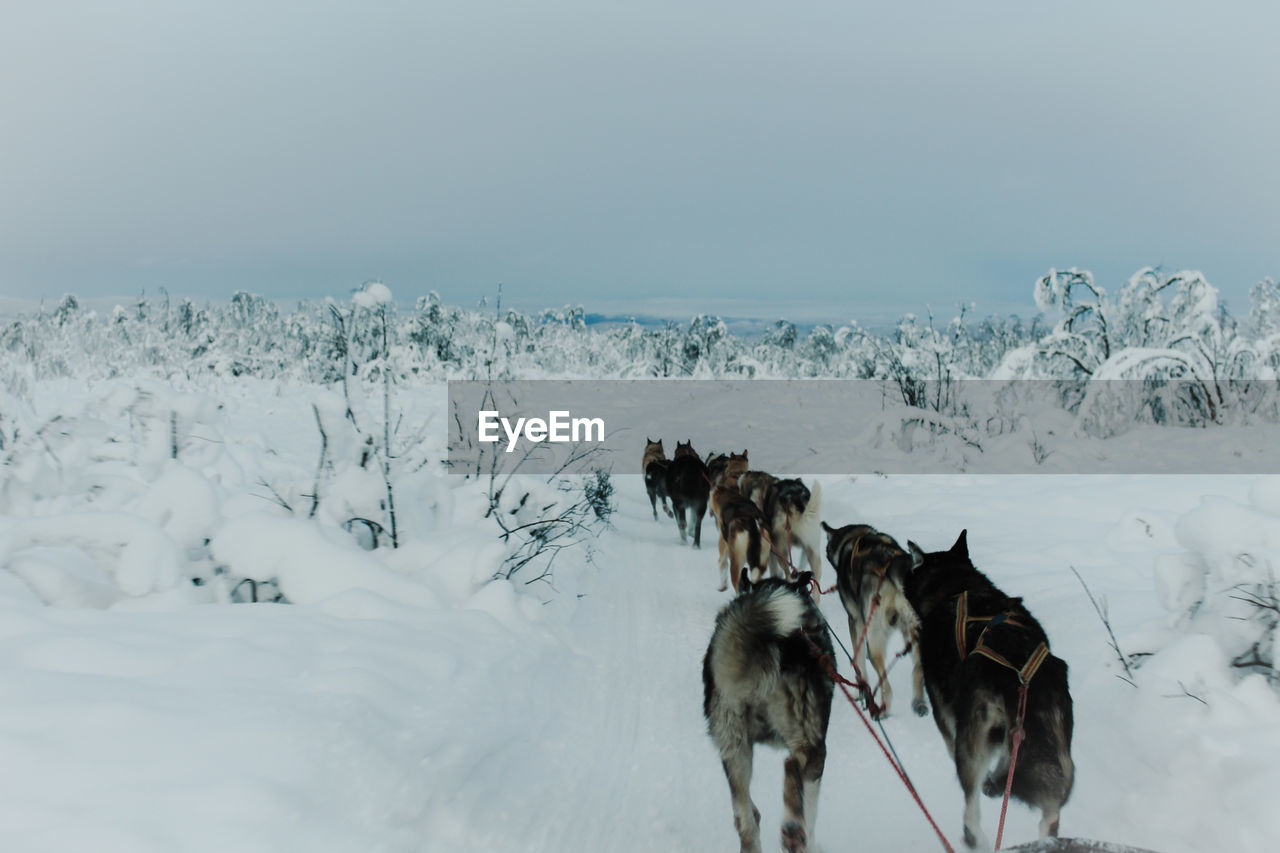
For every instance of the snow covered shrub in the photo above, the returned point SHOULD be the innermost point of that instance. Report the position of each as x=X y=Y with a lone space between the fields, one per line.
x=922 y=362
x=1224 y=583
x=538 y=520
x=1168 y=334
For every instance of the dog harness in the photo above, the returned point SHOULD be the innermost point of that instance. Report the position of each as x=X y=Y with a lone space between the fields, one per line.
x=877 y=570
x=1009 y=617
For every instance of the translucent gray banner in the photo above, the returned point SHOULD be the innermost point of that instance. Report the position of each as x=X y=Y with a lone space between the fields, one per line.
x=810 y=427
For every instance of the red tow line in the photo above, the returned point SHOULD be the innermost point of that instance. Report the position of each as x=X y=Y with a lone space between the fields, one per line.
x=844 y=685
x=785 y=557
x=1018 y=734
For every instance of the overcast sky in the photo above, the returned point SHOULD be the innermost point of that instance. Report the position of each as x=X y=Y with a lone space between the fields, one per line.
x=826 y=155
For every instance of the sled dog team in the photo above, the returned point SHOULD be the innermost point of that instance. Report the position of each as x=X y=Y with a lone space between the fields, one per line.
x=976 y=651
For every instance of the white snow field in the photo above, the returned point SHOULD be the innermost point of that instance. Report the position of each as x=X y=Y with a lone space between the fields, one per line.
x=404 y=702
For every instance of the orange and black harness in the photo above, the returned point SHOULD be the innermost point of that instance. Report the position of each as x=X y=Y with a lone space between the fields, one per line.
x=1008 y=617
x=1025 y=673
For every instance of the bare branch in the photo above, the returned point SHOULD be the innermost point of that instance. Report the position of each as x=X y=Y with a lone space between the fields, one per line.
x=1101 y=610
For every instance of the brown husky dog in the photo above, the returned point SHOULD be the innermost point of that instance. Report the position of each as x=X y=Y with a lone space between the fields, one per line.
x=654 y=468
x=743 y=540
x=870 y=565
x=734 y=467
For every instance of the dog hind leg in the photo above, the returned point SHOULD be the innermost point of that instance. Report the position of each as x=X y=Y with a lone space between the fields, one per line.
x=777 y=568
x=736 y=558
x=993 y=785
x=699 y=510
x=815 y=763
x=877 y=639
x=1049 y=821
x=855 y=631
x=978 y=735
x=724 y=563
x=746 y=817
x=794 y=835
x=910 y=627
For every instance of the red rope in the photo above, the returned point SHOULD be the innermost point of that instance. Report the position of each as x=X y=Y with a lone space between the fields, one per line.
x=1018 y=735
x=791 y=567
x=888 y=669
x=866 y=623
x=841 y=681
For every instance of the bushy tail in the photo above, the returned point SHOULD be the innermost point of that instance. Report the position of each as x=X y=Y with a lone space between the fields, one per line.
x=814 y=508
x=745 y=660
x=754 y=547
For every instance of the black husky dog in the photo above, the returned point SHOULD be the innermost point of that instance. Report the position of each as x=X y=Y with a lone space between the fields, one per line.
x=976 y=646
x=763 y=683
x=689 y=488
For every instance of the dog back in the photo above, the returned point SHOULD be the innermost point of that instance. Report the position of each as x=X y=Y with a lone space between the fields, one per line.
x=755 y=485
x=786 y=499
x=861 y=555
x=687 y=478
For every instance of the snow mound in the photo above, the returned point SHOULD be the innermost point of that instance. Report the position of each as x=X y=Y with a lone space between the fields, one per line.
x=311 y=563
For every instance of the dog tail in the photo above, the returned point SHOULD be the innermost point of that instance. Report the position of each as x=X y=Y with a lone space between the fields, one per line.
x=814 y=508
x=755 y=547
x=746 y=663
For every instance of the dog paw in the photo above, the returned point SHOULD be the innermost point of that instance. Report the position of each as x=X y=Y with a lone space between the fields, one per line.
x=976 y=841
x=793 y=837
x=920 y=707
x=722 y=587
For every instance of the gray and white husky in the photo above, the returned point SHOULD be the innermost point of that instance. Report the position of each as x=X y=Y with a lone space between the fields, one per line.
x=792 y=513
x=871 y=564
x=764 y=683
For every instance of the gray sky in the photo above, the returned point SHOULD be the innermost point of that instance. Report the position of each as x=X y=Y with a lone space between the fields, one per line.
x=844 y=156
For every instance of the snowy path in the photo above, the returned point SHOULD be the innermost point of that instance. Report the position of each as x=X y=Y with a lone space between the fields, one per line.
x=356 y=723
x=624 y=763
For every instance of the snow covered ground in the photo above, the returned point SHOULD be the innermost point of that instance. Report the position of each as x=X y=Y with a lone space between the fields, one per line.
x=404 y=702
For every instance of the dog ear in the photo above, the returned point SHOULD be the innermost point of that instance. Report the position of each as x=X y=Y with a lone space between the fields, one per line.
x=744 y=581
x=917 y=555
x=802 y=580
x=830 y=530
x=961 y=548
